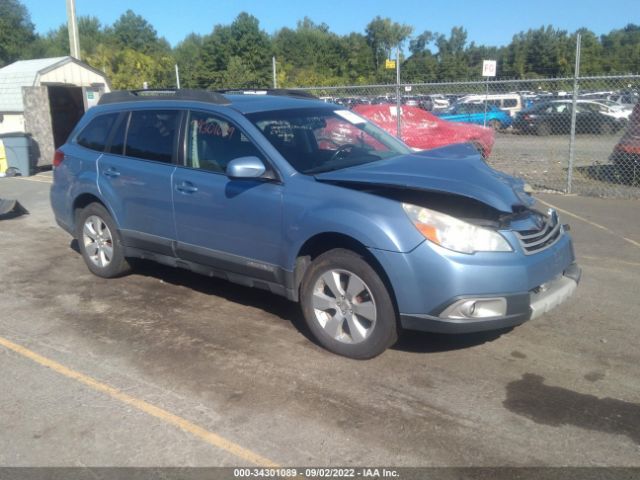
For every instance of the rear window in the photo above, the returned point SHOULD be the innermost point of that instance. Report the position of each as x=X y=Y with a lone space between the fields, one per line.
x=152 y=135
x=94 y=135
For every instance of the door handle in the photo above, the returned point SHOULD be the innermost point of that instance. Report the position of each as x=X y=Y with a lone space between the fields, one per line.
x=111 y=172
x=186 y=187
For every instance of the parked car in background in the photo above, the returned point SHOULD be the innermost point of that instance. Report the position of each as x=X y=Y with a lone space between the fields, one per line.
x=610 y=108
x=423 y=130
x=511 y=103
x=268 y=191
x=626 y=99
x=554 y=117
x=626 y=154
x=475 y=113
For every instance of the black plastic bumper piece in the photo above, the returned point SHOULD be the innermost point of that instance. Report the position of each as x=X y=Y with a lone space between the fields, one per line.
x=428 y=323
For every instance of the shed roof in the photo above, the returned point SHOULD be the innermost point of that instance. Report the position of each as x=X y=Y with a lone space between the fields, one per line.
x=24 y=73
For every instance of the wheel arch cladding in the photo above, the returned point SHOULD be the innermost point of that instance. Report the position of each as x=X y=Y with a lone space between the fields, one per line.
x=326 y=241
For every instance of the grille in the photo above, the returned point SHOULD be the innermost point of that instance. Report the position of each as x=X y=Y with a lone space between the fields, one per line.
x=534 y=241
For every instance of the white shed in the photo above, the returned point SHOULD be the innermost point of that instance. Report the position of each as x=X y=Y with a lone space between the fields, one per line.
x=45 y=98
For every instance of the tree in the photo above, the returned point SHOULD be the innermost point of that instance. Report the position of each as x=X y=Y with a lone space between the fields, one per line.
x=383 y=35
x=186 y=55
x=56 y=42
x=243 y=40
x=16 y=31
x=134 y=32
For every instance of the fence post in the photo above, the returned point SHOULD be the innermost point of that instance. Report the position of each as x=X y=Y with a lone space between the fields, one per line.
x=398 y=102
x=572 y=141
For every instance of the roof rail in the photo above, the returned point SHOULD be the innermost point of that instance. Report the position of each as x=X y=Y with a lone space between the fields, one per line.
x=284 y=92
x=163 y=94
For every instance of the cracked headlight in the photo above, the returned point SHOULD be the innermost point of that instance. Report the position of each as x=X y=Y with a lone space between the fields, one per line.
x=454 y=234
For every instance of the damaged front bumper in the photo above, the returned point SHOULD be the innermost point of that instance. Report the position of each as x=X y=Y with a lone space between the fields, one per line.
x=468 y=314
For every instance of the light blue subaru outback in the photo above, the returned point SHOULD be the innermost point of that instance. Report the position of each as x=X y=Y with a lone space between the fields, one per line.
x=313 y=202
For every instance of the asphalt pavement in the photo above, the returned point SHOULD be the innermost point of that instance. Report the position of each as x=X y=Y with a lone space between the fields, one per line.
x=167 y=368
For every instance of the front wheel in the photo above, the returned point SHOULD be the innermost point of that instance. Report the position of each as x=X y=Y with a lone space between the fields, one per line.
x=99 y=242
x=347 y=306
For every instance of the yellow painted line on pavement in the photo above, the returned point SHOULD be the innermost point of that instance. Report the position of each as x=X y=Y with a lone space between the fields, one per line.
x=593 y=224
x=143 y=406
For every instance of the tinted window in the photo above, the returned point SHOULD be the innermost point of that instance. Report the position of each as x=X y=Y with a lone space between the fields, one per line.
x=118 y=136
x=94 y=135
x=152 y=134
x=510 y=102
x=212 y=142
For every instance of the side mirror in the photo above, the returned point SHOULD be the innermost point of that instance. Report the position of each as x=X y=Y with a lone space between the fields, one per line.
x=245 y=167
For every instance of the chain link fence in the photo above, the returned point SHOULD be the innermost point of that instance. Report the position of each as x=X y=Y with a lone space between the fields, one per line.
x=565 y=134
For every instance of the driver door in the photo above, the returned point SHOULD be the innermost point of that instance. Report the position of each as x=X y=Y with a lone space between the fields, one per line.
x=227 y=224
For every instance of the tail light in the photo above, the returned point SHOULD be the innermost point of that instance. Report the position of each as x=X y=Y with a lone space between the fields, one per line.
x=58 y=157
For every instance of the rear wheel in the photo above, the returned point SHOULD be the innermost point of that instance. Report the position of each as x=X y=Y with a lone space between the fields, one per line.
x=347 y=306
x=99 y=242
x=606 y=128
x=495 y=124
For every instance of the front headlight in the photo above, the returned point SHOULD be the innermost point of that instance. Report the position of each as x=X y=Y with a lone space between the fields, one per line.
x=454 y=234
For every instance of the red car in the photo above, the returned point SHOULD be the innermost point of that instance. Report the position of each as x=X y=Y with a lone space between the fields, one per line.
x=423 y=130
x=626 y=154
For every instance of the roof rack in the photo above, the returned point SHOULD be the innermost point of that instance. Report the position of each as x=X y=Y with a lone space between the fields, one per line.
x=283 y=92
x=163 y=94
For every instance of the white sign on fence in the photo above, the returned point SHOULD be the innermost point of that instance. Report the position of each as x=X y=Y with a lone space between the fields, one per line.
x=488 y=68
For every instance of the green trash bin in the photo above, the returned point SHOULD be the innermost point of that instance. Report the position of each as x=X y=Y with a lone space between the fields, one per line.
x=18 y=148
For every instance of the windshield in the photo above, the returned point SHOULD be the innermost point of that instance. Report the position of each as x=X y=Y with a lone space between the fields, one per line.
x=321 y=139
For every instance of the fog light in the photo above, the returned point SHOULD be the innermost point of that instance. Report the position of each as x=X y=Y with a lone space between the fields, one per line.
x=469 y=308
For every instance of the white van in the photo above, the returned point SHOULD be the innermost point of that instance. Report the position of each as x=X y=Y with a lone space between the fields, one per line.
x=509 y=102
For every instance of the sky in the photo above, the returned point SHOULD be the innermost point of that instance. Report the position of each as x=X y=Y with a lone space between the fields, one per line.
x=488 y=23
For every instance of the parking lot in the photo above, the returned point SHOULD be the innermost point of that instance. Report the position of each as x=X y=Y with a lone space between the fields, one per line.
x=168 y=368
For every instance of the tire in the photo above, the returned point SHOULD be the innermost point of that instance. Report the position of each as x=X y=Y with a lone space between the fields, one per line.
x=606 y=128
x=347 y=307
x=99 y=241
x=543 y=130
x=495 y=125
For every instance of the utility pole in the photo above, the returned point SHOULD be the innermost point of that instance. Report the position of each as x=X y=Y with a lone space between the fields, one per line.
x=72 y=24
x=177 y=77
x=398 y=100
x=273 y=66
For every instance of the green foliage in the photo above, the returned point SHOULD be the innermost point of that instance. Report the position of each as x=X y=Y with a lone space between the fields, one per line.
x=239 y=52
x=384 y=35
x=16 y=31
x=238 y=55
x=186 y=55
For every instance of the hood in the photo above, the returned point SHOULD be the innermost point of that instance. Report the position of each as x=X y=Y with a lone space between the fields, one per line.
x=456 y=169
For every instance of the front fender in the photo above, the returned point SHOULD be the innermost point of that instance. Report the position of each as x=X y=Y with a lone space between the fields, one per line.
x=374 y=221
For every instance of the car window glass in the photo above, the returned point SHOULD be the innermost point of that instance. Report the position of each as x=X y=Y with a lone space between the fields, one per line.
x=510 y=103
x=94 y=135
x=117 y=142
x=151 y=134
x=212 y=142
x=320 y=139
x=562 y=108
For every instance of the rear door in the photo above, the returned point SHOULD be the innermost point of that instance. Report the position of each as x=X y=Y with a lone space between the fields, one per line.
x=134 y=177
x=227 y=224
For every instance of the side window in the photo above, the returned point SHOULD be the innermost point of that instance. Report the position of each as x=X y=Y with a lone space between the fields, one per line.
x=117 y=140
x=152 y=134
x=510 y=103
x=212 y=142
x=94 y=135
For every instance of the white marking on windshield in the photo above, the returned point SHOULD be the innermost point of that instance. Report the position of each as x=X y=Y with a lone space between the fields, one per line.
x=350 y=117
